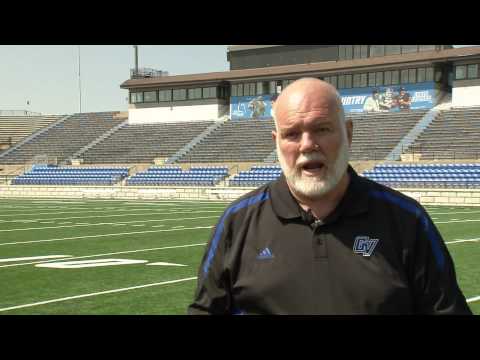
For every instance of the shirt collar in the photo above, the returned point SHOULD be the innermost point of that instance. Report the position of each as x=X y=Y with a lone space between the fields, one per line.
x=355 y=200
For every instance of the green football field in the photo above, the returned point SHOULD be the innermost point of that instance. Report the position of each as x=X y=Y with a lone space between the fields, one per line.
x=142 y=257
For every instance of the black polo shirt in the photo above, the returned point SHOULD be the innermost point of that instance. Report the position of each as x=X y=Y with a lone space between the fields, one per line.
x=378 y=252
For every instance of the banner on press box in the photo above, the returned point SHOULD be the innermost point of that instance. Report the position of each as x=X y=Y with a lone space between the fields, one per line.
x=389 y=98
x=251 y=107
x=368 y=99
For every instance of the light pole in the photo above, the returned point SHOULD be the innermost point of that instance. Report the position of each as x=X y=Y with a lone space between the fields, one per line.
x=79 y=80
x=136 y=59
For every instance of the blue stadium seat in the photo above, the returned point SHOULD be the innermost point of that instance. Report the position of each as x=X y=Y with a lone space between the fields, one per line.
x=426 y=175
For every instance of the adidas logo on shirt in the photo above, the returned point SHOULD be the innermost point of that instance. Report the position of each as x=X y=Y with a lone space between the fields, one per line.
x=265 y=254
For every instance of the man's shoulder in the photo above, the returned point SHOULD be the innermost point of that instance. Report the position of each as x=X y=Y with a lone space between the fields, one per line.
x=250 y=199
x=396 y=198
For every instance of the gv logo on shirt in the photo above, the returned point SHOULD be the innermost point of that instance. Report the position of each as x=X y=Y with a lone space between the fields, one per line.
x=364 y=245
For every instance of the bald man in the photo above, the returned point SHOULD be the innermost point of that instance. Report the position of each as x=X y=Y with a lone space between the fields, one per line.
x=321 y=239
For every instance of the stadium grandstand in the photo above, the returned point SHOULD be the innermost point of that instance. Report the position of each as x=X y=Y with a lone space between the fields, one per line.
x=406 y=102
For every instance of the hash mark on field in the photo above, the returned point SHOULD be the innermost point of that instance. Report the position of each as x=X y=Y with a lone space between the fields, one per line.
x=98 y=293
x=177 y=227
x=138 y=225
x=158 y=225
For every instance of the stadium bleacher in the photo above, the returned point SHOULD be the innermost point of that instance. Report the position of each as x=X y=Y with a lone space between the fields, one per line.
x=437 y=142
x=427 y=175
x=174 y=175
x=376 y=134
x=53 y=175
x=143 y=143
x=15 y=128
x=65 y=138
x=256 y=176
x=234 y=141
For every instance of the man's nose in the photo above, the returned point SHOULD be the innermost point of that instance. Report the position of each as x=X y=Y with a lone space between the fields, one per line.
x=307 y=143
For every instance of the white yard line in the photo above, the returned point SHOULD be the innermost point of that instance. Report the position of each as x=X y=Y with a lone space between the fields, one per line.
x=104 y=235
x=97 y=293
x=56 y=257
x=453 y=212
x=106 y=254
x=118 y=210
x=456 y=241
x=116 y=215
x=107 y=223
x=456 y=221
x=473 y=299
x=58 y=202
x=36 y=210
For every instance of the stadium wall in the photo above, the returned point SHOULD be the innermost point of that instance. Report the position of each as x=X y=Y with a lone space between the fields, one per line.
x=123 y=192
x=461 y=197
x=466 y=93
x=176 y=113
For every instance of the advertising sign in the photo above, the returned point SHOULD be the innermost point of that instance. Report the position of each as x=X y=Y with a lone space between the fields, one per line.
x=389 y=98
x=251 y=107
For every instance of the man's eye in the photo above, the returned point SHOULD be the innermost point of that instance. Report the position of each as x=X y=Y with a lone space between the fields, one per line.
x=291 y=135
x=323 y=129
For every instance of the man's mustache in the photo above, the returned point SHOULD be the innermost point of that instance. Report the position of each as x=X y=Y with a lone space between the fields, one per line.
x=303 y=159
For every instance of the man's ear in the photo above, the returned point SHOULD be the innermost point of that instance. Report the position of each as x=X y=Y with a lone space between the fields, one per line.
x=274 y=135
x=349 y=125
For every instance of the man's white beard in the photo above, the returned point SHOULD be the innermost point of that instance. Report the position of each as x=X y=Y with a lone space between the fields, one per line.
x=312 y=187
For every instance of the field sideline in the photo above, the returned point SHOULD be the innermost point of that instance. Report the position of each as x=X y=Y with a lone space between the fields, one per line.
x=142 y=257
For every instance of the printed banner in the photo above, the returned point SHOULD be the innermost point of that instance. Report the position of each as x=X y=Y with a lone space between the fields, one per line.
x=390 y=98
x=368 y=99
x=251 y=107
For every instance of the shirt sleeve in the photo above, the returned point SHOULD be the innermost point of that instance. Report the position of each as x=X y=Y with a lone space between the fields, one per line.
x=435 y=286
x=212 y=295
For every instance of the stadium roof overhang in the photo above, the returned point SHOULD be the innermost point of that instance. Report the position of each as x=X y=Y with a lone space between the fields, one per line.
x=299 y=70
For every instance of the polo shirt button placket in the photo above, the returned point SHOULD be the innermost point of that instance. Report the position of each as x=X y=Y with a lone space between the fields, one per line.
x=319 y=242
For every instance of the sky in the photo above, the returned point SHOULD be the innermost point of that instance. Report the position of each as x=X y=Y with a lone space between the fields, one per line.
x=47 y=76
